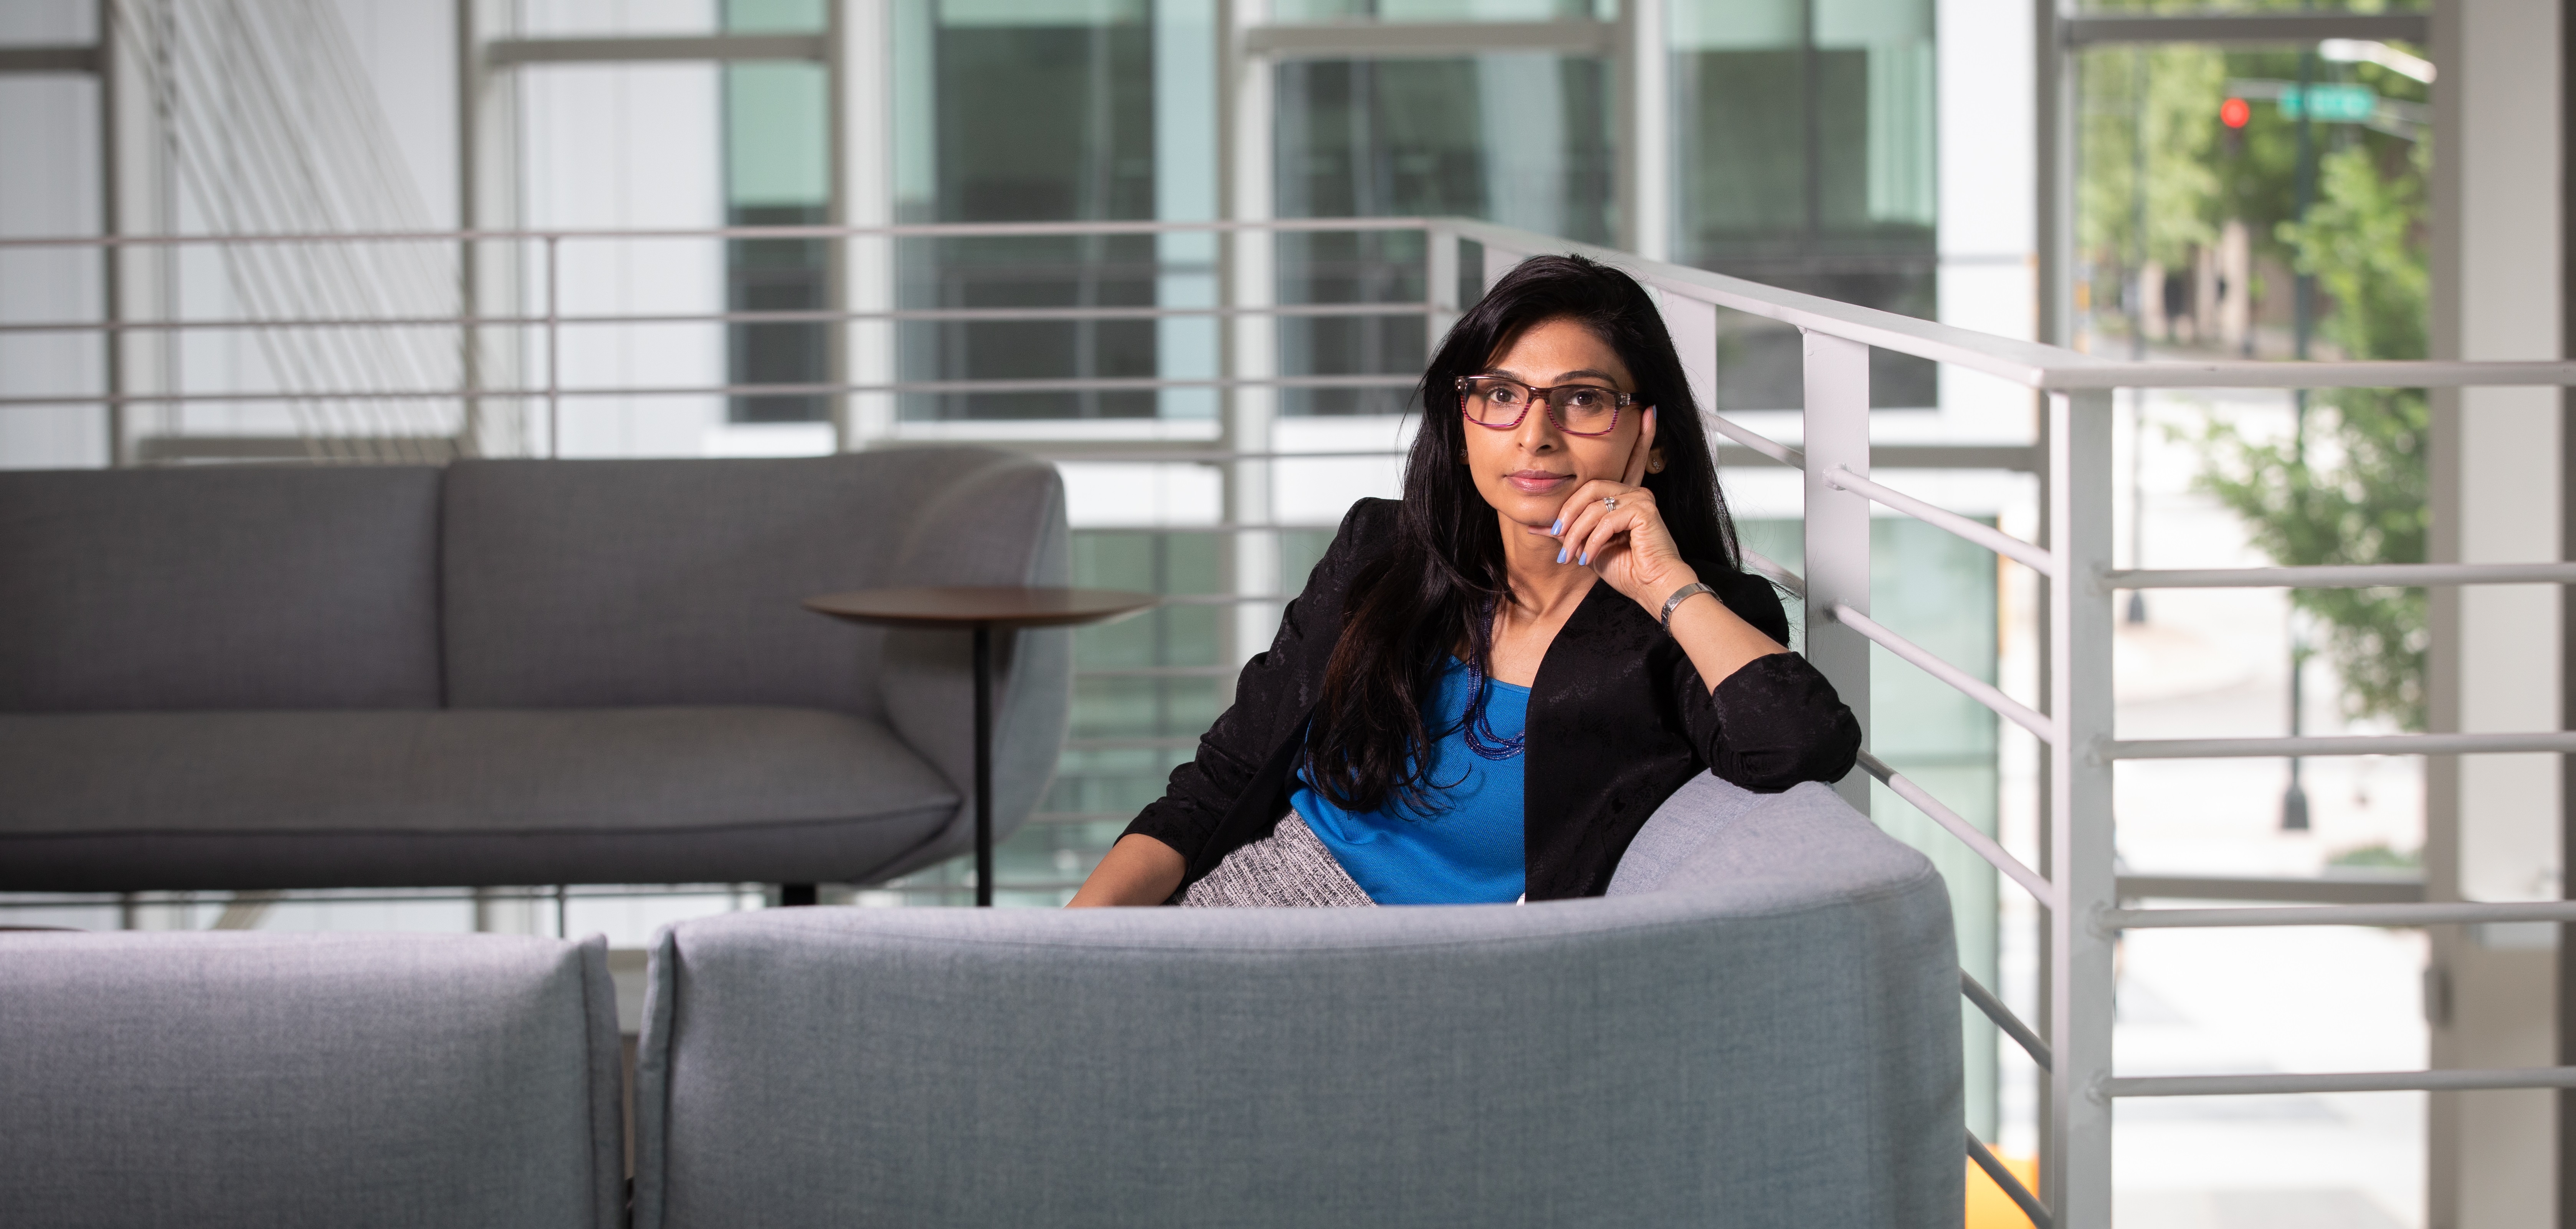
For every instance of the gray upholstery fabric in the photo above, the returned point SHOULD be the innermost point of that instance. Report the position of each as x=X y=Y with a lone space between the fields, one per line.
x=236 y=588
x=677 y=582
x=281 y=1081
x=121 y=801
x=596 y=583
x=634 y=692
x=1779 y=1049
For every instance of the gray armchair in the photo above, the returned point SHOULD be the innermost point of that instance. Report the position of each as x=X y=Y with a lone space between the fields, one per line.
x=286 y=1081
x=508 y=672
x=1760 y=1027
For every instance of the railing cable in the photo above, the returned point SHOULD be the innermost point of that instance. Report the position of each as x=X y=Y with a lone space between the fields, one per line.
x=1975 y=688
x=1969 y=834
x=2012 y=1187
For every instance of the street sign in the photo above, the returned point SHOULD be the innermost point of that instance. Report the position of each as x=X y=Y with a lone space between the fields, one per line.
x=2333 y=104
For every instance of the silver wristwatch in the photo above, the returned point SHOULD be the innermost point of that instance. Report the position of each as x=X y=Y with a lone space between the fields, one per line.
x=1683 y=594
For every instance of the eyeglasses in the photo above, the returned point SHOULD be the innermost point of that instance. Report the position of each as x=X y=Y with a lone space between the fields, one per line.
x=1576 y=409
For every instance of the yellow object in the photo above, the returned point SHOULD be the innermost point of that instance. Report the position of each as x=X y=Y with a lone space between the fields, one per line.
x=1988 y=1206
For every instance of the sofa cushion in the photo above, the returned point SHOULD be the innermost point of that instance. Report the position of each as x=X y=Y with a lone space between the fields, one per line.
x=247 y=588
x=125 y=801
x=308 y=1080
x=596 y=583
x=1755 y=1058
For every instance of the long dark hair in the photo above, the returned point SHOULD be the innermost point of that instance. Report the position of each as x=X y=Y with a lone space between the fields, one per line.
x=1438 y=585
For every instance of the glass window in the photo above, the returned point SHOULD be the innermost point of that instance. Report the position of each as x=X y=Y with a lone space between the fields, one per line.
x=1041 y=110
x=777 y=173
x=1519 y=138
x=1805 y=158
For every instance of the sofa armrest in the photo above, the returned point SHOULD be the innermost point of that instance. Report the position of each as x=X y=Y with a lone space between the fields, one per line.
x=1001 y=523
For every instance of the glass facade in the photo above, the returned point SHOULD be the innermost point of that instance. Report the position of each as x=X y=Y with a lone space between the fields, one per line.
x=778 y=167
x=1039 y=111
x=1804 y=157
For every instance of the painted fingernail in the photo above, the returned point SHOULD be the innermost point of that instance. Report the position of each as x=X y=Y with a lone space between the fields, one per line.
x=1586 y=560
x=1560 y=554
x=1558 y=527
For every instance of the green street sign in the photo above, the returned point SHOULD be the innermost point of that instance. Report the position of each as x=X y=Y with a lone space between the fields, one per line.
x=2333 y=104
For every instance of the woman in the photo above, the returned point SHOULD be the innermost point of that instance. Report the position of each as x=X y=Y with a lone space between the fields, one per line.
x=1487 y=686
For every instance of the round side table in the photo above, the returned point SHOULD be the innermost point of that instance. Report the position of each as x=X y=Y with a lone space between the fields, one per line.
x=981 y=610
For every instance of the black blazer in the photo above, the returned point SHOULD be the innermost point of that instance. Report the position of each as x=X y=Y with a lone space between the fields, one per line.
x=1618 y=720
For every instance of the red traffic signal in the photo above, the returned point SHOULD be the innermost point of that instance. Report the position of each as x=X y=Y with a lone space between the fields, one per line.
x=2234 y=113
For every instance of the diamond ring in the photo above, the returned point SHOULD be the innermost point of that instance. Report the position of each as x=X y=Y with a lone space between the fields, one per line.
x=1611 y=502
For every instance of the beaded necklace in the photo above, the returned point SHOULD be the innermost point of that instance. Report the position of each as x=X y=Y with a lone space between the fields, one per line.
x=1479 y=731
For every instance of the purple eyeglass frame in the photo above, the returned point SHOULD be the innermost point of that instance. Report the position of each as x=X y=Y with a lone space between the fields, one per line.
x=1546 y=397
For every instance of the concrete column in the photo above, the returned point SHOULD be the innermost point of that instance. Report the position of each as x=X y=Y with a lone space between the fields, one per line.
x=2492 y=822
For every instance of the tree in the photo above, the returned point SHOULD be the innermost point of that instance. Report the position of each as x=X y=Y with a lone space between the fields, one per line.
x=2353 y=489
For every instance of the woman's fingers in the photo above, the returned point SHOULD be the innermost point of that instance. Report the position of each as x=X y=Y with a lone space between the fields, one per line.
x=1595 y=523
x=1581 y=512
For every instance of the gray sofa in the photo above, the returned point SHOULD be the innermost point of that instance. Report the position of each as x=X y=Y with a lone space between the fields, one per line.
x=508 y=672
x=322 y=1081
x=1759 y=1027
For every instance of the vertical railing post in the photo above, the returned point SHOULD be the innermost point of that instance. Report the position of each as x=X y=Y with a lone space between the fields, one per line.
x=1837 y=546
x=1499 y=261
x=554 y=351
x=1439 y=282
x=1693 y=325
x=2075 y=1168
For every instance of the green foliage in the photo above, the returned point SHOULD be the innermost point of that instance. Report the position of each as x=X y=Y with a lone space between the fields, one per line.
x=2353 y=488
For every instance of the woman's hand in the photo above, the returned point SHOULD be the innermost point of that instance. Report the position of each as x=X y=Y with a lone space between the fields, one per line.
x=1627 y=545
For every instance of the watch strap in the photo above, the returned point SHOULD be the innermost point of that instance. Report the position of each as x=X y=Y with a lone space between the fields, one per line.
x=1683 y=594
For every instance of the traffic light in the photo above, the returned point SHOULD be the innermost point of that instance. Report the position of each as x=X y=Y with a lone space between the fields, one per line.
x=2234 y=113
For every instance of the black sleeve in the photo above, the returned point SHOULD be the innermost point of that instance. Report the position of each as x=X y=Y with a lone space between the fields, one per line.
x=1775 y=722
x=1273 y=694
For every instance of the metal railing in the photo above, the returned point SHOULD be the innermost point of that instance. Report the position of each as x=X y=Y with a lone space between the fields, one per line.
x=2079 y=891
x=2075 y=882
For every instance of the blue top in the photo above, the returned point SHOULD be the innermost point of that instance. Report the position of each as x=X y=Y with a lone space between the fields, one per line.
x=1468 y=849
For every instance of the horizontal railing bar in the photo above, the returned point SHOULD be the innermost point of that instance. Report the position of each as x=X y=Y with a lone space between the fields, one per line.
x=1206 y=456
x=2013 y=1189
x=1969 y=834
x=426 y=896
x=2238 y=29
x=1071 y=384
x=2456 y=1080
x=2430 y=913
x=1987 y=536
x=1975 y=688
x=2005 y=1019
x=2355 y=576
x=2555 y=742
x=2309 y=889
x=2255 y=373
x=1157 y=672
x=645 y=48
x=2028 y=363
x=1131 y=744
x=904 y=230
x=1347 y=40
x=1220 y=599
x=1251 y=527
x=1078 y=817
x=1755 y=440
x=1003 y=315
x=1900 y=456
x=1777 y=574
